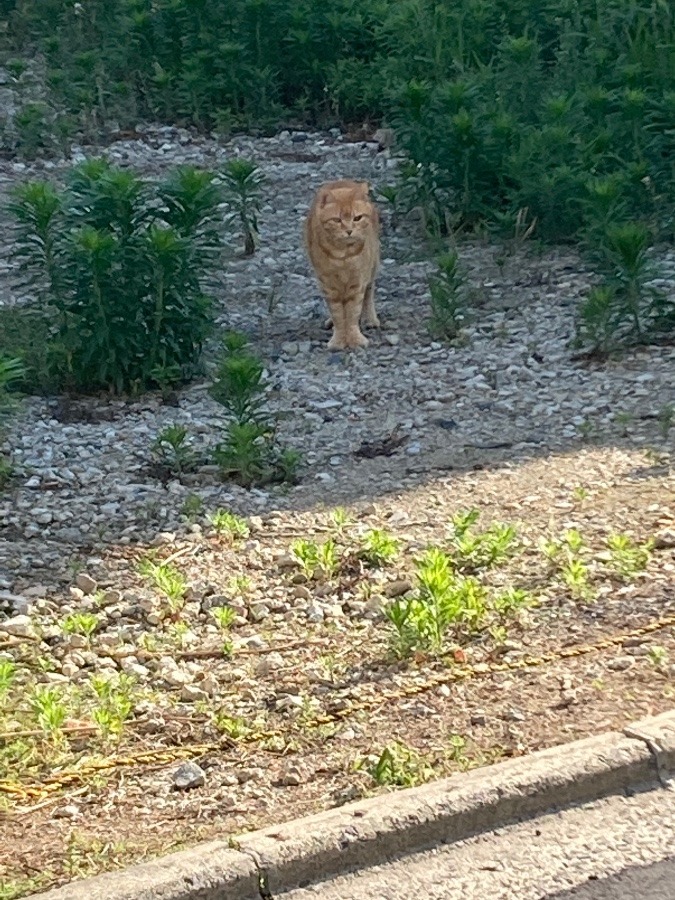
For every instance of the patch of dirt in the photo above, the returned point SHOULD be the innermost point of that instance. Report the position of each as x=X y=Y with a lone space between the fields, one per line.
x=295 y=718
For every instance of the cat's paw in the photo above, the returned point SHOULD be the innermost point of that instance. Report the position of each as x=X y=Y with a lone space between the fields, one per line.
x=356 y=339
x=372 y=322
x=337 y=343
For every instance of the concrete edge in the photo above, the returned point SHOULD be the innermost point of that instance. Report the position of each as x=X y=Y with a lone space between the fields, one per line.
x=373 y=831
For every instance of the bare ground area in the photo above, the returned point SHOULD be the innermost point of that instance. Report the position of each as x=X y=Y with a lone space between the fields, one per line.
x=304 y=696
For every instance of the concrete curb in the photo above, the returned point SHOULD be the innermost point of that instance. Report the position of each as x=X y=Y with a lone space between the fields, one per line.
x=373 y=831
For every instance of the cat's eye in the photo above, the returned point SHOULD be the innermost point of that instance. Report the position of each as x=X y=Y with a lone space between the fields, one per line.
x=357 y=218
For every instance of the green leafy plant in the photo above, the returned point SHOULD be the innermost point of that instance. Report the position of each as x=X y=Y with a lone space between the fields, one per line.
x=193 y=507
x=249 y=453
x=120 y=266
x=224 y=616
x=666 y=419
x=115 y=696
x=238 y=384
x=243 y=181
x=565 y=555
x=625 y=307
x=316 y=560
x=229 y=525
x=442 y=600
x=378 y=547
x=658 y=657
x=477 y=550
x=340 y=520
x=168 y=580
x=510 y=601
x=448 y=301
x=84 y=623
x=172 y=451
x=626 y=557
x=7 y=677
x=575 y=575
x=400 y=766
x=50 y=710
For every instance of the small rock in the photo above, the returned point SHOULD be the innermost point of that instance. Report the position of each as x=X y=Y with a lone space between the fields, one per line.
x=209 y=685
x=288 y=702
x=259 y=611
x=190 y=693
x=86 y=583
x=478 y=717
x=621 y=663
x=67 y=812
x=189 y=776
x=397 y=588
x=384 y=137
x=292 y=777
x=18 y=626
x=664 y=540
x=315 y=613
x=131 y=666
x=269 y=664
x=19 y=604
x=174 y=676
x=69 y=669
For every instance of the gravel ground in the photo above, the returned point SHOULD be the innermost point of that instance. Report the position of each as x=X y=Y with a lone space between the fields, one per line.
x=543 y=858
x=309 y=695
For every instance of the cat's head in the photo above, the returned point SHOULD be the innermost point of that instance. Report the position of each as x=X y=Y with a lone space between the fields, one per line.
x=345 y=212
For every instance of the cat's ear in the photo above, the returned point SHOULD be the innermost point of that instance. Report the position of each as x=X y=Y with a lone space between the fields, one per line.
x=363 y=189
x=324 y=197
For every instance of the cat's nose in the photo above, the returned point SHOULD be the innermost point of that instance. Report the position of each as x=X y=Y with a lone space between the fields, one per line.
x=349 y=231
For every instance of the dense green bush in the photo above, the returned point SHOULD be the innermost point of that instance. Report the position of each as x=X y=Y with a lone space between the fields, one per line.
x=501 y=105
x=118 y=265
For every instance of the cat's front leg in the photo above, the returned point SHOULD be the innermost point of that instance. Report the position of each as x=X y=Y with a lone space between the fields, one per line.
x=345 y=315
x=337 y=320
x=353 y=312
x=370 y=317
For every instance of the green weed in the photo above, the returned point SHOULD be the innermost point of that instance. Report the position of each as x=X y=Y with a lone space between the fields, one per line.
x=448 y=300
x=478 y=550
x=84 y=623
x=49 y=708
x=243 y=180
x=399 y=766
x=224 y=616
x=172 y=450
x=227 y=524
x=168 y=581
x=378 y=547
x=626 y=557
x=320 y=561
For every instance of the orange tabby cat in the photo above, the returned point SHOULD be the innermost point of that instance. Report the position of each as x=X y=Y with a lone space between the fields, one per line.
x=342 y=238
